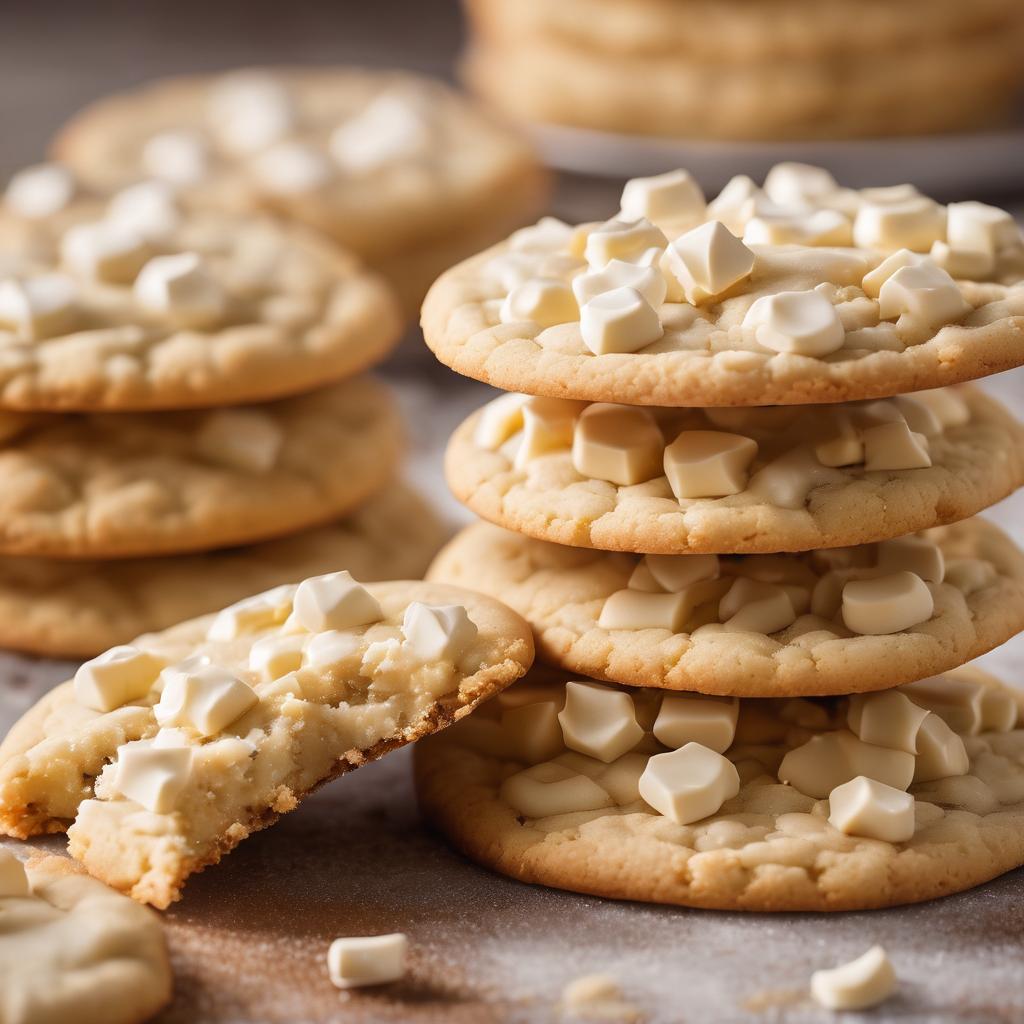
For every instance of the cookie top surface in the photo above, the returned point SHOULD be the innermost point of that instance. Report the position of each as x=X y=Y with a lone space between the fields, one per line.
x=633 y=479
x=122 y=485
x=77 y=609
x=832 y=295
x=138 y=304
x=532 y=806
x=72 y=949
x=376 y=159
x=793 y=628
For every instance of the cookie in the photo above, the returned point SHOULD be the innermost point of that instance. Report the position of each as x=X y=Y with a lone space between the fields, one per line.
x=76 y=609
x=756 y=844
x=392 y=165
x=595 y=475
x=794 y=313
x=258 y=706
x=126 y=485
x=795 y=627
x=142 y=305
x=71 y=949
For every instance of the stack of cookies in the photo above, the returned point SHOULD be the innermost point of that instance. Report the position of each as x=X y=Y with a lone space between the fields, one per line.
x=732 y=495
x=731 y=69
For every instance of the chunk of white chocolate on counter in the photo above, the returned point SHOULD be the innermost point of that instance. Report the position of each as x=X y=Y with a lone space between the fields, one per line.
x=599 y=721
x=674 y=572
x=334 y=601
x=707 y=261
x=533 y=731
x=204 y=698
x=551 y=788
x=638 y=609
x=13 y=877
x=832 y=758
x=940 y=751
x=618 y=443
x=913 y=554
x=893 y=446
x=254 y=613
x=544 y=301
x=708 y=463
x=621 y=320
x=181 y=288
x=274 y=656
x=912 y=223
x=153 y=774
x=38 y=307
x=695 y=718
x=670 y=198
x=978 y=227
x=499 y=420
x=39 y=191
x=886 y=604
x=800 y=323
x=886 y=719
x=689 y=784
x=357 y=961
x=958 y=702
x=858 y=985
x=104 y=251
x=548 y=426
x=867 y=807
x=437 y=632
x=755 y=606
x=621 y=240
x=647 y=280
x=247 y=440
x=924 y=293
x=117 y=677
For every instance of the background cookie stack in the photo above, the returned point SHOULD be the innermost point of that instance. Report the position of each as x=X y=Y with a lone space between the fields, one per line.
x=671 y=532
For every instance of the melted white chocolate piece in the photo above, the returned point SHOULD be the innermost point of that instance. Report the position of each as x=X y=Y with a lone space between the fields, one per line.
x=886 y=604
x=708 y=463
x=617 y=443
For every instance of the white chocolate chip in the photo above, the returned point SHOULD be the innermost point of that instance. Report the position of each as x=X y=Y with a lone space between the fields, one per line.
x=894 y=446
x=858 y=985
x=912 y=223
x=148 y=208
x=731 y=204
x=977 y=227
x=888 y=194
x=874 y=279
x=618 y=443
x=637 y=609
x=548 y=235
x=671 y=198
x=38 y=307
x=969 y=575
x=390 y=130
x=621 y=240
x=707 y=261
x=803 y=323
x=117 y=677
x=328 y=649
x=965 y=264
x=708 y=463
x=920 y=415
x=597 y=997
x=499 y=420
x=816 y=227
x=250 y=111
x=205 y=698
x=674 y=572
x=999 y=710
x=599 y=721
x=886 y=604
x=533 y=731
x=648 y=281
x=689 y=784
x=152 y=775
x=182 y=289
x=958 y=702
x=925 y=293
x=13 y=877
x=832 y=758
x=940 y=752
x=916 y=555
x=367 y=960
x=694 y=718
x=177 y=157
x=292 y=168
x=104 y=251
x=844 y=447
x=39 y=191
x=261 y=611
x=548 y=425
x=551 y=788
x=437 y=632
x=947 y=404
x=887 y=719
x=271 y=657
x=543 y=301
x=796 y=184
x=334 y=601
x=756 y=607
x=867 y=807
x=621 y=320
x=244 y=439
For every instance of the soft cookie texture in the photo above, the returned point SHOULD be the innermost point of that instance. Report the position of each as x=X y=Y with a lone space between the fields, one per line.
x=75 y=950
x=76 y=609
x=105 y=485
x=562 y=591
x=768 y=848
x=973 y=465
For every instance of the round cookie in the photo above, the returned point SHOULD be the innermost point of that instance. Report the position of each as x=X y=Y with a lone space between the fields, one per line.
x=73 y=949
x=770 y=847
x=793 y=314
x=417 y=176
x=563 y=593
x=76 y=609
x=141 y=305
x=125 y=485
x=788 y=500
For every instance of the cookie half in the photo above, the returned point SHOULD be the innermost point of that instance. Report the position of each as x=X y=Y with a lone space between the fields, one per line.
x=574 y=821
x=76 y=609
x=127 y=485
x=792 y=626
x=594 y=475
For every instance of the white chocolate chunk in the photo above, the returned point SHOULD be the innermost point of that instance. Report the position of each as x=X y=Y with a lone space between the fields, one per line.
x=916 y=555
x=832 y=758
x=940 y=752
x=599 y=721
x=756 y=607
x=548 y=235
x=38 y=307
x=39 y=191
x=708 y=463
x=694 y=718
x=920 y=415
x=621 y=240
x=437 y=632
x=889 y=193
x=958 y=702
x=965 y=264
x=621 y=320
x=731 y=204
x=803 y=323
x=261 y=611
x=13 y=877
x=548 y=426
x=334 y=601
x=925 y=293
x=689 y=784
x=244 y=439
x=618 y=443
x=533 y=731
x=499 y=420
x=795 y=184
x=543 y=301
x=390 y=130
x=148 y=208
x=551 y=788
x=152 y=775
x=970 y=574
x=637 y=609
x=873 y=280
x=648 y=281
x=674 y=572
x=947 y=404
x=595 y=996
x=707 y=261
x=844 y=447
x=999 y=710
x=886 y=719
x=886 y=604
x=274 y=656
x=117 y=677
x=205 y=698
x=182 y=288
x=912 y=223
x=816 y=227
x=867 y=807
x=177 y=157
x=250 y=111
x=367 y=960
x=977 y=227
x=328 y=649
x=858 y=985
x=893 y=446
x=291 y=168
x=104 y=251
x=668 y=198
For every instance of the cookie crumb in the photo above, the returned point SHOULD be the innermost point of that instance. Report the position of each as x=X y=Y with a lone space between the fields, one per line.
x=597 y=997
